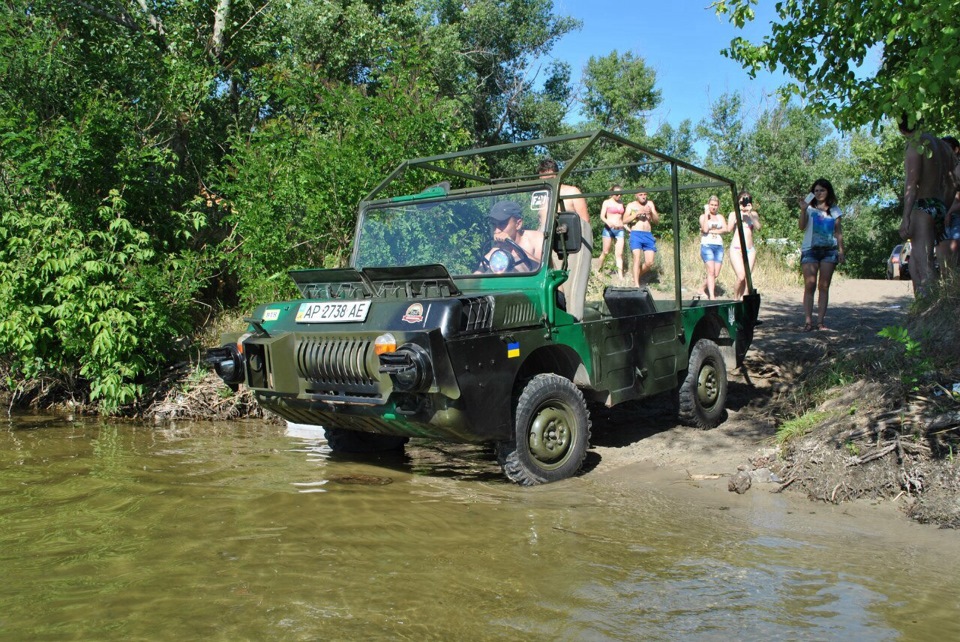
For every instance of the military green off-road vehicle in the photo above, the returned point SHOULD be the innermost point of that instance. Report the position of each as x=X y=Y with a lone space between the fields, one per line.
x=438 y=331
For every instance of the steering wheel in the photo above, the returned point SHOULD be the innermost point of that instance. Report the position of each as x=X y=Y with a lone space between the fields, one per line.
x=504 y=256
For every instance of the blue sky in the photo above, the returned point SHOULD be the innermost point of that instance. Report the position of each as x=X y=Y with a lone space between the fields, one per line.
x=680 y=40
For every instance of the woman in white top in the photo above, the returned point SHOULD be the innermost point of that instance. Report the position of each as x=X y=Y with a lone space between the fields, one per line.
x=712 y=225
x=751 y=223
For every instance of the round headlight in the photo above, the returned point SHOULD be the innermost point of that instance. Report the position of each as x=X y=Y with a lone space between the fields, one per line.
x=409 y=368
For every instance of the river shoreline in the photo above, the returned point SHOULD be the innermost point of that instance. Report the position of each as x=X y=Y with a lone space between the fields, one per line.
x=768 y=391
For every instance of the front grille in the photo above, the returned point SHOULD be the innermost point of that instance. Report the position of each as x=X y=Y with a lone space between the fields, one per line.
x=335 y=362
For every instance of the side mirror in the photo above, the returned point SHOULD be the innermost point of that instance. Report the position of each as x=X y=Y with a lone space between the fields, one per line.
x=567 y=238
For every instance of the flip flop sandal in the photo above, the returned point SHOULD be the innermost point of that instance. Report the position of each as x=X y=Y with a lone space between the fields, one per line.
x=807 y=327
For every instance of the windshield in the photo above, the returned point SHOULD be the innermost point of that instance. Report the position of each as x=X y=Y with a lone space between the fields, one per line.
x=470 y=235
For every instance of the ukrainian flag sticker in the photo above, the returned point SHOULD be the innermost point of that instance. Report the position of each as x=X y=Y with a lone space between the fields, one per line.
x=513 y=350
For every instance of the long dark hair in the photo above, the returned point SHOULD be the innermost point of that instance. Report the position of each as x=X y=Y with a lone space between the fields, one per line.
x=831 y=195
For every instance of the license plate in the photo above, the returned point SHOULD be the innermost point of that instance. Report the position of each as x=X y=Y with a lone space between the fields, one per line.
x=333 y=312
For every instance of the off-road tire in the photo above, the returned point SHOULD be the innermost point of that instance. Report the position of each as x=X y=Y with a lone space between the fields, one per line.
x=342 y=440
x=551 y=432
x=702 y=396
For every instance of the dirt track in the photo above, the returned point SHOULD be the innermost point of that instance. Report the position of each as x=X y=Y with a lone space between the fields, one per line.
x=643 y=432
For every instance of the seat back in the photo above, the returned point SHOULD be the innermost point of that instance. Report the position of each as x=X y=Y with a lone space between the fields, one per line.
x=623 y=302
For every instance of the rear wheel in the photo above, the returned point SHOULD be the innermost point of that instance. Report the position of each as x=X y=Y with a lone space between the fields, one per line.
x=551 y=433
x=342 y=440
x=702 y=396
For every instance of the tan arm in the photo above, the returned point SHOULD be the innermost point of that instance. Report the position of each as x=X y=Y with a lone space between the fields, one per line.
x=654 y=214
x=911 y=170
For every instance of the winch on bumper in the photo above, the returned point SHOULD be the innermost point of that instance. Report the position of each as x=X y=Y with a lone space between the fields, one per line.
x=399 y=383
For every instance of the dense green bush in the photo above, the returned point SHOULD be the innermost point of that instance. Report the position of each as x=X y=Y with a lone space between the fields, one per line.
x=97 y=307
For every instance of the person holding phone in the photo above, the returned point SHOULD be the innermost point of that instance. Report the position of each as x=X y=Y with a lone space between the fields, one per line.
x=750 y=223
x=822 y=248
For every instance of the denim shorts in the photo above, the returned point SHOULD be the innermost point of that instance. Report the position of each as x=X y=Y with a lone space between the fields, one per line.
x=711 y=253
x=610 y=233
x=818 y=254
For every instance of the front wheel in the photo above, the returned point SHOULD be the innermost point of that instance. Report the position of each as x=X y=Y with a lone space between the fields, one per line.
x=551 y=433
x=342 y=440
x=703 y=392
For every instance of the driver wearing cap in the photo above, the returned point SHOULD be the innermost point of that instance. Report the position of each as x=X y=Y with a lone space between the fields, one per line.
x=523 y=249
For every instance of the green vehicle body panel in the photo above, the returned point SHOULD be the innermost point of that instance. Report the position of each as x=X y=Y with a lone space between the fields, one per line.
x=483 y=335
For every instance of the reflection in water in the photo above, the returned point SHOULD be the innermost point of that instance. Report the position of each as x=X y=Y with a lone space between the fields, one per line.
x=242 y=531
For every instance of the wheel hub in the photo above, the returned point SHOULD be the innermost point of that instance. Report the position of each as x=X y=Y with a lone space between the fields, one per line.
x=550 y=435
x=708 y=389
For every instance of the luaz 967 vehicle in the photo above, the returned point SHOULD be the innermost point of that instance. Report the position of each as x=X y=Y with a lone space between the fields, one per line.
x=444 y=328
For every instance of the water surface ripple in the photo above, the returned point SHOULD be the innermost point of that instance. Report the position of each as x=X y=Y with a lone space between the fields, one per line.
x=243 y=531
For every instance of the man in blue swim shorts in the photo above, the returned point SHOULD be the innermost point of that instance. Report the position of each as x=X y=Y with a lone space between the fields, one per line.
x=641 y=214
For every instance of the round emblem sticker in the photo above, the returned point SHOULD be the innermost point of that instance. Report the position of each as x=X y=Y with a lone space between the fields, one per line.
x=414 y=313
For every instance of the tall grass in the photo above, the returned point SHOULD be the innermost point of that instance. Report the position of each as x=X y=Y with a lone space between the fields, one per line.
x=775 y=269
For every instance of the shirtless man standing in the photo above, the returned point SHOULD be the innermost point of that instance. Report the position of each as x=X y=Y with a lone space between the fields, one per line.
x=929 y=187
x=642 y=215
x=575 y=289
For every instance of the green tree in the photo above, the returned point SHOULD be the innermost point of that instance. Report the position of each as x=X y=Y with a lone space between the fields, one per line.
x=723 y=131
x=678 y=141
x=295 y=181
x=827 y=47
x=104 y=138
x=487 y=56
x=619 y=93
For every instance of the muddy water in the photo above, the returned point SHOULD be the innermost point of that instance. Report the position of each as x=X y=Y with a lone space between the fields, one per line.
x=247 y=532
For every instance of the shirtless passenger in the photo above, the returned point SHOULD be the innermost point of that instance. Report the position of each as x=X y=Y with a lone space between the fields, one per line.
x=578 y=265
x=641 y=215
x=568 y=202
x=929 y=186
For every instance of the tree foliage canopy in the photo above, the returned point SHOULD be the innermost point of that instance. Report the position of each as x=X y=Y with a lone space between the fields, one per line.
x=619 y=92
x=828 y=47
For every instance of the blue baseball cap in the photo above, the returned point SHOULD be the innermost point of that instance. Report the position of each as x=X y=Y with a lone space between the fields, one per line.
x=504 y=211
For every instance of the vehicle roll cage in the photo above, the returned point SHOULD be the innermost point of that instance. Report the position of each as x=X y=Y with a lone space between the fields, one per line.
x=574 y=154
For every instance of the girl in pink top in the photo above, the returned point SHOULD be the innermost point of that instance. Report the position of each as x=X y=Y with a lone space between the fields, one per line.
x=611 y=213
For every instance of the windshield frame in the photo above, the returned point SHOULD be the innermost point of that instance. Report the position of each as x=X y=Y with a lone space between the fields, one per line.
x=389 y=234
